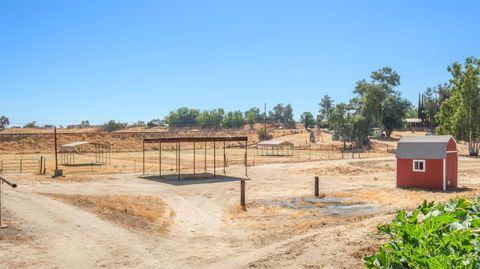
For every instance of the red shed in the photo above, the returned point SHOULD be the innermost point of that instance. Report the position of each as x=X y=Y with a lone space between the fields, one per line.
x=428 y=162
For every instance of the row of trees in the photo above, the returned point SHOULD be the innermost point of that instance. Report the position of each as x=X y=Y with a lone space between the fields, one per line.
x=280 y=116
x=451 y=108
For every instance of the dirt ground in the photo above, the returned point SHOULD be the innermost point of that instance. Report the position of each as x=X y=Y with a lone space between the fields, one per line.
x=284 y=226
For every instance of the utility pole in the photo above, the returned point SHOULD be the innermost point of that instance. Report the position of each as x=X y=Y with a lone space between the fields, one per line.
x=265 y=117
x=55 y=143
x=57 y=172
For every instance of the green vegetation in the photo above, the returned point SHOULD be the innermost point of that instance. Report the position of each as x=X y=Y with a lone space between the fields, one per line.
x=233 y=119
x=112 y=125
x=430 y=101
x=376 y=104
x=253 y=116
x=84 y=124
x=4 y=122
x=459 y=115
x=32 y=124
x=432 y=236
x=326 y=107
x=264 y=135
x=307 y=119
x=282 y=116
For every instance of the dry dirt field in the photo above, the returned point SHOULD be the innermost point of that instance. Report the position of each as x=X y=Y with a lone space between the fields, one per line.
x=125 y=220
x=113 y=216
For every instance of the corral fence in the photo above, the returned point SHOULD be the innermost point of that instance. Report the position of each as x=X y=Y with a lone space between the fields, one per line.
x=23 y=165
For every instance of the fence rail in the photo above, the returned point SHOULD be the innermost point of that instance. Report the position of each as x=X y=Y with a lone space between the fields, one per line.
x=32 y=166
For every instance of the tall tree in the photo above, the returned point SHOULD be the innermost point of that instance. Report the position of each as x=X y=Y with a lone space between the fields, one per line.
x=459 y=115
x=282 y=116
x=326 y=106
x=432 y=100
x=4 y=122
x=339 y=122
x=378 y=102
x=371 y=95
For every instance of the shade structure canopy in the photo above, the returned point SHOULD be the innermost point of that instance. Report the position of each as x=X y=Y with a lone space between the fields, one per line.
x=76 y=144
x=275 y=147
x=102 y=152
x=195 y=139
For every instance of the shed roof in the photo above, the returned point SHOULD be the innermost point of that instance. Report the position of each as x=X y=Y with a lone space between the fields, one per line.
x=79 y=143
x=274 y=143
x=413 y=120
x=423 y=147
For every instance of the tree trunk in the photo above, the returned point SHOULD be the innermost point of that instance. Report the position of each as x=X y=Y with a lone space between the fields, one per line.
x=473 y=148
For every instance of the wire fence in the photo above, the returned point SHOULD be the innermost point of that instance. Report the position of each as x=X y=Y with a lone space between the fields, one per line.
x=204 y=160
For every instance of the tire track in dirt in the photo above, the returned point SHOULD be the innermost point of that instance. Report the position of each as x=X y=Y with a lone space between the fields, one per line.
x=80 y=239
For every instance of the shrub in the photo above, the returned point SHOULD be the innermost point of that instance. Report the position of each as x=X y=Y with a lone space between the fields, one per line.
x=432 y=236
x=112 y=125
x=264 y=135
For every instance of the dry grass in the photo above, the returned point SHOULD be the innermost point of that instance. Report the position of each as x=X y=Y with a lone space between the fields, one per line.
x=338 y=170
x=402 y=198
x=145 y=212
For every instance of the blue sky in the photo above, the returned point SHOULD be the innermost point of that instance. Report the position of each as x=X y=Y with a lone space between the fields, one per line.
x=65 y=61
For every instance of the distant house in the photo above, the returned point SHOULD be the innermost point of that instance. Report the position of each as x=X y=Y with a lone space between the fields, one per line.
x=429 y=162
x=413 y=122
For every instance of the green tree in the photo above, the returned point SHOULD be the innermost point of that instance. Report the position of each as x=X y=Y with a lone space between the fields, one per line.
x=360 y=129
x=4 y=122
x=233 y=119
x=252 y=116
x=459 y=115
x=370 y=96
x=432 y=100
x=394 y=111
x=282 y=116
x=211 y=118
x=326 y=106
x=183 y=117
x=307 y=119
x=339 y=122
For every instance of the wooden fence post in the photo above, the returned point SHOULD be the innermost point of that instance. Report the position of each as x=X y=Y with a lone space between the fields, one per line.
x=21 y=168
x=242 y=194
x=317 y=191
x=40 y=165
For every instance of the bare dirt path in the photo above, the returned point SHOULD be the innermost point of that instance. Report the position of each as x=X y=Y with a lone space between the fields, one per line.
x=77 y=239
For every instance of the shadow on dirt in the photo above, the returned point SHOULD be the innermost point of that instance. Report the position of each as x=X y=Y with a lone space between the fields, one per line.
x=190 y=179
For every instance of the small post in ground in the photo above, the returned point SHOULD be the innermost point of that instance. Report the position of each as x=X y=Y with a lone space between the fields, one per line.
x=317 y=192
x=242 y=194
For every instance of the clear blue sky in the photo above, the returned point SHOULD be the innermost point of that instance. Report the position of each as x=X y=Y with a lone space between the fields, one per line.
x=65 y=61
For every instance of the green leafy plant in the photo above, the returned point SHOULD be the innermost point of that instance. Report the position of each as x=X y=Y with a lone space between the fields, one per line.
x=444 y=235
